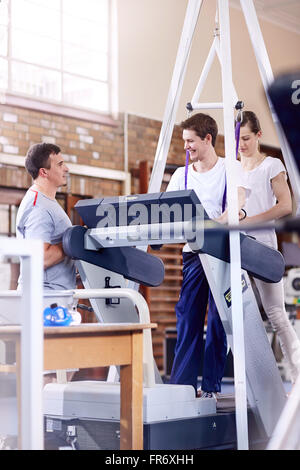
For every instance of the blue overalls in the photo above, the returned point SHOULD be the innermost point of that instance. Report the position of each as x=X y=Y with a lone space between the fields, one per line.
x=190 y=312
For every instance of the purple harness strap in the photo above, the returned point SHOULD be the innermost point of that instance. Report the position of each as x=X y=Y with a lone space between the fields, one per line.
x=187 y=156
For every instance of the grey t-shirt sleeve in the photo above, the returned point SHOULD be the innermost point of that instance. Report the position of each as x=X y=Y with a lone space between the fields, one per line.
x=39 y=225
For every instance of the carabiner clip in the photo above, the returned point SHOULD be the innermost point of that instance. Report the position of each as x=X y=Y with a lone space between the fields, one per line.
x=239 y=107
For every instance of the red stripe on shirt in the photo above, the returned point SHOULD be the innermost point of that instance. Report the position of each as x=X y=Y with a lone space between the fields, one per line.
x=36 y=195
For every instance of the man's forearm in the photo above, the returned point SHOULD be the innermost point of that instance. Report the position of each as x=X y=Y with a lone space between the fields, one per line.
x=53 y=254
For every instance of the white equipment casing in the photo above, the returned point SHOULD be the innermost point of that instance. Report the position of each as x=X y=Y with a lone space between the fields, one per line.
x=101 y=400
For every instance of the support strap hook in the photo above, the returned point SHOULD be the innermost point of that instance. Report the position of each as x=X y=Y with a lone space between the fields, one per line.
x=239 y=107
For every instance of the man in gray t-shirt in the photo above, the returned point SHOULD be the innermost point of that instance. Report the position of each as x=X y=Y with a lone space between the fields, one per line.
x=41 y=217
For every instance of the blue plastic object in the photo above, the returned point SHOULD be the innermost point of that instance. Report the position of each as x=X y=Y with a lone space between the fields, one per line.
x=56 y=315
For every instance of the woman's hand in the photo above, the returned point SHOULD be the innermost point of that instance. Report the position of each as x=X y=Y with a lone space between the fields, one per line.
x=223 y=219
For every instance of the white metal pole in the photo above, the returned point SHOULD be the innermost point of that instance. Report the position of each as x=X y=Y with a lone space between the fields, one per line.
x=32 y=349
x=32 y=363
x=217 y=105
x=163 y=146
x=214 y=51
x=217 y=45
x=205 y=71
x=267 y=78
x=234 y=237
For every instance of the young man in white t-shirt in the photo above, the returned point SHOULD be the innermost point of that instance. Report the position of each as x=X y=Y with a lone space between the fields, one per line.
x=206 y=176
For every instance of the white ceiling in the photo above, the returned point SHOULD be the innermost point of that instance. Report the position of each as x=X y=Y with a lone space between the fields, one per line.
x=285 y=13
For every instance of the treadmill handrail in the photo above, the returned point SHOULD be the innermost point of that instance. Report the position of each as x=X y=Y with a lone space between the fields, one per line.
x=144 y=317
x=135 y=235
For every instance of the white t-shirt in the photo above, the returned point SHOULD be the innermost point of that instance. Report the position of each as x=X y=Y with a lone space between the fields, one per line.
x=262 y=197
x=209 y=186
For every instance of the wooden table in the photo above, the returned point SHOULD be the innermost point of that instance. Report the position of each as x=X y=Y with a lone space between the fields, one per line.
x=94 y=345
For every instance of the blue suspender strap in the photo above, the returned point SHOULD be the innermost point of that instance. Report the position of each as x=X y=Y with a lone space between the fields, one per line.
x=237 y=137
x=224 y=196
x=186 y=168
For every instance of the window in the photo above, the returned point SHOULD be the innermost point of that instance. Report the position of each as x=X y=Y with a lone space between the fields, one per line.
x=57 y=51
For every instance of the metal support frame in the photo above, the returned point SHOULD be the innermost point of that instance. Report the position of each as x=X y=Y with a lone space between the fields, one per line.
x=189 y=26
x=213 y=52
x=234 y=237
x=223 y=51
x=32 y=337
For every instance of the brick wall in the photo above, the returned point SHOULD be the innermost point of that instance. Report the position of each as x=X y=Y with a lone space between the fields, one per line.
x=82 y=142
x=143 y=135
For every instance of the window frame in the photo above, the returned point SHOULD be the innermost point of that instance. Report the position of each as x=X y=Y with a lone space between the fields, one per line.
x=18 y=99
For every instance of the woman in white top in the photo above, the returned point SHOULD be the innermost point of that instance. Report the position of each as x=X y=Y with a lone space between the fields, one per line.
x=269 y=200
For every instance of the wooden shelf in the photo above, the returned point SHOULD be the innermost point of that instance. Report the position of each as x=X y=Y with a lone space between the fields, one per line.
x=166 y=288
x=173 y=267
x=168 y=256
x=173 y=278
x=157 y=309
